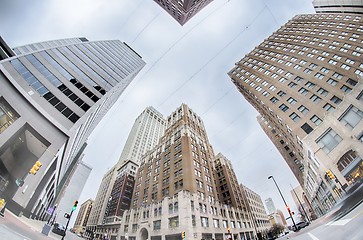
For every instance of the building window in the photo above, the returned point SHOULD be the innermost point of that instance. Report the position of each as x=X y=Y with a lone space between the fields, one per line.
x=294 y=117
x=322 y=92
x=328 y=107
x=174 y=222
x=303 y=109
x=319 y=76
x=315 y=119
x=307 y=128
x=351 y=117
x=274 y=100
x=281 y=93
x=283 y=107
x=303 y=91
x=352 y=82
x=292 y=84
x=7 y=115
x=345 y=89
x=315 y=99
x=332 y=82
x=291 y=100
x=216 y=223
x=170 y=208
x=329 y=140
x=310 y=85
x=157 y=225
x=360 y=96
x=299 y=79
x=336 y=100
x=204 y=221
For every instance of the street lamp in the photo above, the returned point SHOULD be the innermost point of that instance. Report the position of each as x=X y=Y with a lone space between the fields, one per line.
x=284 y=201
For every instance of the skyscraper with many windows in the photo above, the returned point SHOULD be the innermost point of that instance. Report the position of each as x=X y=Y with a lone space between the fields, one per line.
x=338 y=6
x=182 y=10
x=148 y=127
x=305 y=81
x=52 y=96
x=181 y=186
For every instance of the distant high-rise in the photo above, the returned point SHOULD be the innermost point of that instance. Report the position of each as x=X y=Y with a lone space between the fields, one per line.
x=306 y=82
x=270 y=206
x=52 y=96
x=75 y=185
x=182 y=10
x=148 y=127
x=338 y=6
x=82 y=217
x=176 y=188
x=258 y=211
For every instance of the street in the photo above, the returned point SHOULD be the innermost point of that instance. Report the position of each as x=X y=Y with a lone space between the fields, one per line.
x=15 y=228
x=343 y=222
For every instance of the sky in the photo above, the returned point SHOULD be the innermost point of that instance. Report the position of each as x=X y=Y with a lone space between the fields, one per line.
x=184 y=64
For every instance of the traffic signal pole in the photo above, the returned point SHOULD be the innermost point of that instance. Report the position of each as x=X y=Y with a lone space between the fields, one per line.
x=65 y=231
x=69 y=217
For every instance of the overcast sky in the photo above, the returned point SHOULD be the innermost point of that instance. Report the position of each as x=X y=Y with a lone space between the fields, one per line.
x=184 y=64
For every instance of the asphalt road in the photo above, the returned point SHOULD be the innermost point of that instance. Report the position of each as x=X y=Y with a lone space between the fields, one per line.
x=12 y=228
x=344 y=222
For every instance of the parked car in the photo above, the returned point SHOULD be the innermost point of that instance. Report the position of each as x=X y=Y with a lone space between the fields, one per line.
x=59 y=229
x=300 y=225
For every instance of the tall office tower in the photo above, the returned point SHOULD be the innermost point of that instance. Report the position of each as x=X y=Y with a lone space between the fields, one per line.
x=74 y=188
x=338 y=6
x=182 y=11
x=301 y=204
x=52 y=96
x=82 y=217
x=305 y=82
x=228 y=188
x=258 y=211
x=175 y=189
x=148 y=127
x=270 y=206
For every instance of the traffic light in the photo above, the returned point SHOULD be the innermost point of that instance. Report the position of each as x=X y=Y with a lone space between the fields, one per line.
x=330 y=174
x=229 y=230
x=288 y=209
x=74 y=205
x=183 y=235
x=35 y=168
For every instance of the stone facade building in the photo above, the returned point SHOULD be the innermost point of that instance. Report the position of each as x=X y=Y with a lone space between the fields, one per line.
x=52 y=96
x=305 y=81
x=176 y=188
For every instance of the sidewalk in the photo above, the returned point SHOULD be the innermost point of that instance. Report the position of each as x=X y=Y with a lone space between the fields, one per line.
x=35 y=225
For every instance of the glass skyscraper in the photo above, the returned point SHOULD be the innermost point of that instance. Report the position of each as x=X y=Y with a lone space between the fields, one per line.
x=52 y=96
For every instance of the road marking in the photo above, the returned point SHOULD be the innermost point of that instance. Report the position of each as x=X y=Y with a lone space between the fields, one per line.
x=16 y=233
x=339 y=222
x=312 y=236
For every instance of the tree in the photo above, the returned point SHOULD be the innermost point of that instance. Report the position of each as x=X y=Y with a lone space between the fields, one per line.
x=275 y=230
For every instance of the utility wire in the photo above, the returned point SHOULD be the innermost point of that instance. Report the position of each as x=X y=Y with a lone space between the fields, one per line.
x=132 y=13
x=211 y=59
x=138 y=79
x=148 y=24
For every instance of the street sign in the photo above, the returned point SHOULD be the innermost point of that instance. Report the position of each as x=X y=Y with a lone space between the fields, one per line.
x=50 y=210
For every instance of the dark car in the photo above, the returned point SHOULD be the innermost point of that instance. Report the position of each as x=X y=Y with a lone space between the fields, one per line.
x=59 y=229
x=300 y=225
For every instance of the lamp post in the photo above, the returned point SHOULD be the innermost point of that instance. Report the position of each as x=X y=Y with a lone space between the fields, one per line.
x=302 y=207
x=284 y=201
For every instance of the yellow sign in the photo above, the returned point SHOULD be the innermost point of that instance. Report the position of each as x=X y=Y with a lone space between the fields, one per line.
x=2 y=203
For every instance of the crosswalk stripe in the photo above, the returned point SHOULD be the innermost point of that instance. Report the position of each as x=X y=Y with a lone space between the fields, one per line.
x=339 y=222
x=312 y=236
